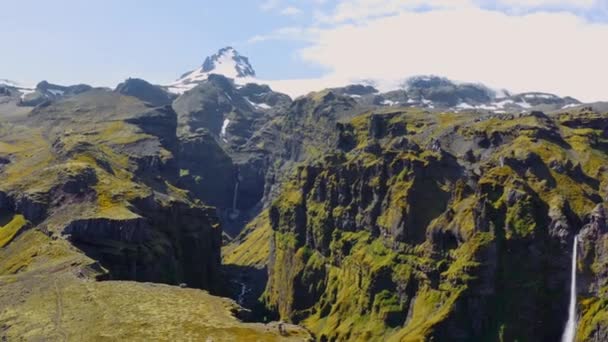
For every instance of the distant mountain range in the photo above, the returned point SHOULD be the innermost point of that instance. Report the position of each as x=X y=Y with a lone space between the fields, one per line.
x=430 y=92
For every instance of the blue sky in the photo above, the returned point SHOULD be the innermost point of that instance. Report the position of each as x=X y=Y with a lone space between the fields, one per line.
x=104 y=41
x=551 y=45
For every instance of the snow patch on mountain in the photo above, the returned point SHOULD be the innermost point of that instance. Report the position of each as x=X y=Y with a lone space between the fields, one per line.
x=419 y=90
x=464 y=105
x=23 y=90
x=8 y=83
x=226 y=62
x=572 y=105
x=540 y=96
x=390 y=103
x=16 y=85
x=258 y=105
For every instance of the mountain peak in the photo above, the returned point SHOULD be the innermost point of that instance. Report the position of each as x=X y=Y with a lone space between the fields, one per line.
x=9 y=83
x=226 y=62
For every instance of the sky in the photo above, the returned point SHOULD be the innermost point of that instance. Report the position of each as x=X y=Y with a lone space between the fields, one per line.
x=557 y=46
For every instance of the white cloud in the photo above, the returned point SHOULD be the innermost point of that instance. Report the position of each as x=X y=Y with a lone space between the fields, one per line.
x=290 y=10
x=548 y=51
x=358 y=10
x=287 y=33
x=553 y=52
x=269 y=5
x=582 y=4
x=388 y=40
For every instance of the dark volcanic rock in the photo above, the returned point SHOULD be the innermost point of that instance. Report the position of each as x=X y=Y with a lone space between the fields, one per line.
x=174 y=244
x=154 y=95
x=46 y=93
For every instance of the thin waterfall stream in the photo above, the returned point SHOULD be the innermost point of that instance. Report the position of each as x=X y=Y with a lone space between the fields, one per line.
x=235 y=195
x=570 y=331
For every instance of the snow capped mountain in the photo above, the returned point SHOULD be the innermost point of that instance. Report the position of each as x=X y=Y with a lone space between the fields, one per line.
x=226 y=62
x=440 y=93
x=15 y=85
x=8 y=83
x=424 y=91
x=17 y=88
x=43 y=92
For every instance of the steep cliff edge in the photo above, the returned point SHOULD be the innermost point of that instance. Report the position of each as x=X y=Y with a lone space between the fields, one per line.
x=48 y=292
x=444 y=226
x=88 y=197
x=98 y=169
x=593 y=324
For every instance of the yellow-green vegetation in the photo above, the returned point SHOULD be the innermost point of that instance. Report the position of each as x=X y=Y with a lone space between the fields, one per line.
x=397 y=208
x=88 y=135
x=89 y=167
x=595 y=316
x=65 y=308
x=464 y=259
x=47 y=293
x=348 y=291
x=281 y=284
x=11 y=229
x=430 y=308
x=252 y=246
x=425 y=213
x=577 y=192
x=32 y=156
x=593 y=309
x=33 y=255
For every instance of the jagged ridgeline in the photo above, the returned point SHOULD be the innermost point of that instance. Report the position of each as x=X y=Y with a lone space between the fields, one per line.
x=441 y=226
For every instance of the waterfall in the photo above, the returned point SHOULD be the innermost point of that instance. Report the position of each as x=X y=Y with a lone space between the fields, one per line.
x=244 y=290
x=223 y=131
x=234 y=213
x=235 y=195
x=570 y=331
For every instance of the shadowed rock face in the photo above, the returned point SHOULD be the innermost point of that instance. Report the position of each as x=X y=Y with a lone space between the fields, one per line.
x=594 y=279
x=46 y=93
x=154 y=95
x=173 y=245
x=102 y=175
x=414 y=236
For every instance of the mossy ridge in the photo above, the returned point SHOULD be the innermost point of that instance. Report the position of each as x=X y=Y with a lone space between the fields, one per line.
x=529 y=166
x=31 y=155
x=280 y=288
x=35 y=309
x=85 y=171
x=34 y=253
x=11 y=229
x=594 y=315
x=252 y=246
x=99 y=139
x=350 y=308
x=107 y=179
x=357 y=249
x=353 y=308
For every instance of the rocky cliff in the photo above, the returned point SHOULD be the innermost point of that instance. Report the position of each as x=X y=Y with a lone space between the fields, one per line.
x=88 y=192
x=444 y=226
x=99 y=173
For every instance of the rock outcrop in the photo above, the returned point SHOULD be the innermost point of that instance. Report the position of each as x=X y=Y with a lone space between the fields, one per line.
x=406 y=236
